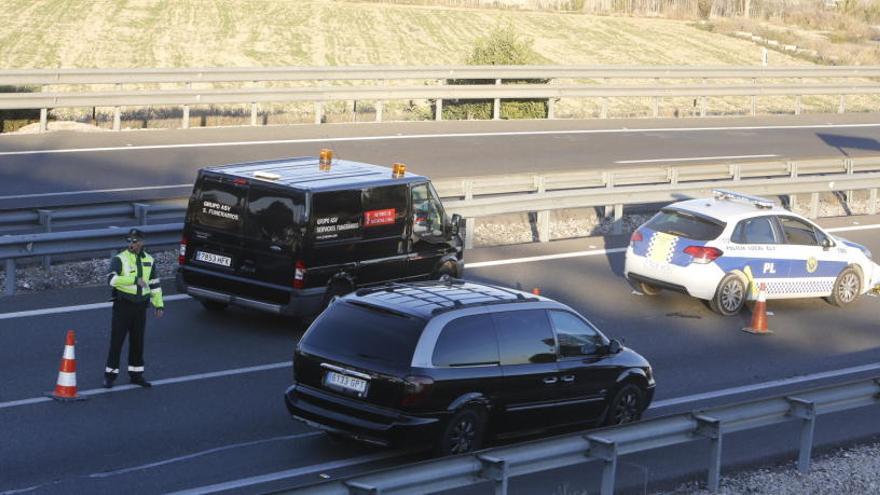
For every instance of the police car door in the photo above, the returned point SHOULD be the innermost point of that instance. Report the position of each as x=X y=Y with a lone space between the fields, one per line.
x=756 y=242
x=813 y=267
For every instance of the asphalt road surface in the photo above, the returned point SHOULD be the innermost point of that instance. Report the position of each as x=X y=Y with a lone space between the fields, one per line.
x=215 y=421
x=35 y=168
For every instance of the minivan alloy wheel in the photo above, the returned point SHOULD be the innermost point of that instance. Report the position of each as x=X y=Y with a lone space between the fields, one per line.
x=463 y=433
x=462 y=436
x=626 y=406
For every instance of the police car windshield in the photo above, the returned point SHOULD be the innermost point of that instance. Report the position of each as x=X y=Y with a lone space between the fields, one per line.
x=684 y=224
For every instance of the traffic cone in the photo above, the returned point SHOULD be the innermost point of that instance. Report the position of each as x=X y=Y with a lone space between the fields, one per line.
x=759 y=315
x=65 y=388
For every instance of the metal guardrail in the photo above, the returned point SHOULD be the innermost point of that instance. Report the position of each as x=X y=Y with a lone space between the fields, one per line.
x=607 y=445
x=438 y=92
x=539 y=193
x=46 y=77
x=81 y=241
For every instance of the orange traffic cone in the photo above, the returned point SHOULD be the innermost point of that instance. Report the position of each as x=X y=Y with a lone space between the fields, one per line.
x=65 y=388
x=759 y=315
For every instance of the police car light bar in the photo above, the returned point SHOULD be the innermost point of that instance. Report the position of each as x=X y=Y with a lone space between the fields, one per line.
x=758 y=201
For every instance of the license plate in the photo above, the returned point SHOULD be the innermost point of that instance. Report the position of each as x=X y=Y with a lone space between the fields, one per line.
x=345 y=382
x=212 y=258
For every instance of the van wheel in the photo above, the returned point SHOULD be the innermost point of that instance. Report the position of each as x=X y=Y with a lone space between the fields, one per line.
x=463 y=432
x=212 y=305
x=729 y=297
x=626 y=406
x=447 y=268
x=648 y=289
x=847 y=287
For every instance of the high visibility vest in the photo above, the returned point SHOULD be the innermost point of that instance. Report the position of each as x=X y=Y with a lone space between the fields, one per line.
x=126 y=281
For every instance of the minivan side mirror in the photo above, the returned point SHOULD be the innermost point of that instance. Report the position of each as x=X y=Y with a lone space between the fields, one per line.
x=455 y=223
x=614 y=346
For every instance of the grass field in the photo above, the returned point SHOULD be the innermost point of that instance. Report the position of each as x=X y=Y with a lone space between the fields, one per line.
x=246 y=33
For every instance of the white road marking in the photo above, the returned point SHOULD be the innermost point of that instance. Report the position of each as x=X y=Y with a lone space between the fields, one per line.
x=69 y=193
x=107 y=474
x=290 y=473
x=694 y=159
x=156 y=383
x=546 y=257
x=71 y=309
x=766 y=385
x=429 y=136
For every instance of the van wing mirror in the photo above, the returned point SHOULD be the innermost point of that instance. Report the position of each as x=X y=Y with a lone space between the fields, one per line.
x=455 y=223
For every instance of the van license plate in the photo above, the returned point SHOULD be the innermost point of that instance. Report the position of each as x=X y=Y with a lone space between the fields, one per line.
x=212 y=258
x=345 y=382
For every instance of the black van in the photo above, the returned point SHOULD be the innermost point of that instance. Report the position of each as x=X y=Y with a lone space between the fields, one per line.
x=287 y=236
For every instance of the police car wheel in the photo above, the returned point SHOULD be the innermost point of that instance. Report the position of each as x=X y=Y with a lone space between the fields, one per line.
x=847 y=287
x=648 y=289
x=729 y=297
x=211 y=305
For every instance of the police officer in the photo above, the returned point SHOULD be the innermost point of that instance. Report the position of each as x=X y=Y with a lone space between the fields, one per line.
x=134 y=278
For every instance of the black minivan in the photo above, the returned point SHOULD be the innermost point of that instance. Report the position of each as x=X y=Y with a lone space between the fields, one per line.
x=288 y=236
x=449 y=363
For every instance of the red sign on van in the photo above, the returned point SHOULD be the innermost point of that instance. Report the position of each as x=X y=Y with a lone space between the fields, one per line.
x=374 y=218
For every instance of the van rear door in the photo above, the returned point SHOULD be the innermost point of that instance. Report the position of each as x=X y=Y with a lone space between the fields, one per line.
x=216 y=219
x=272 y=234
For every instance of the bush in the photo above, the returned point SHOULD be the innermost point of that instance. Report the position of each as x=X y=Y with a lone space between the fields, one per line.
x=503 y=46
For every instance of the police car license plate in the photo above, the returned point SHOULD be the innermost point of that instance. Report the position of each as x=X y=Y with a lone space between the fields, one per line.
x=350 y=383
x=215 y=259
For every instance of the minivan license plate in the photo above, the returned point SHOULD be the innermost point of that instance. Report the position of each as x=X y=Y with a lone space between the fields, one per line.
x=215 y=259
x=338 y=380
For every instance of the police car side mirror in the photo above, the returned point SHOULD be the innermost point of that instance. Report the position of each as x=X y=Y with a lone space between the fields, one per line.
x=827 y=243
x=455 y=223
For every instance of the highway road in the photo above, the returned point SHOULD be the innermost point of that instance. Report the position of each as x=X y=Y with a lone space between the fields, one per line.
x=215 y=421
x=35 y=168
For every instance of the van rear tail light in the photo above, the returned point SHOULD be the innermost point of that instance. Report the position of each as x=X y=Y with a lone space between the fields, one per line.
x=703 y=254
x=636 y=237
x=299 y=275
x=181 y=256
x=416 y=389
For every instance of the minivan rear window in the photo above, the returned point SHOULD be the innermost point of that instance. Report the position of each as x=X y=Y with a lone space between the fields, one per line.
x=684 y=224
x=365 y=332
x=218 y=205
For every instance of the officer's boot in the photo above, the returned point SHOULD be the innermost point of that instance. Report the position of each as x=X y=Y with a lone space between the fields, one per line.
x=109 y=378
x=138 y=379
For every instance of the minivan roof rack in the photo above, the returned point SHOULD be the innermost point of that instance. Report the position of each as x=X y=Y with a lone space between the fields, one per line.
x=443 y=302
x=757 y=201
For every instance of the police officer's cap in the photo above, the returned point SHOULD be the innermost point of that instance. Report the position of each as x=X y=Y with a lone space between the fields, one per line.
x=134 y=235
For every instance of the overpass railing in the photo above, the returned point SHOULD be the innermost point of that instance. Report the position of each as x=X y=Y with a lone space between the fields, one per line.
x=371 y=83
x=498 y=465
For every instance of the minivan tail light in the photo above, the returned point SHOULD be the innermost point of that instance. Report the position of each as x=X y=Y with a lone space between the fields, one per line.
x=703 y=254
x=299 y=275
x=637 y=236
x=181 y=256
x=416 y=389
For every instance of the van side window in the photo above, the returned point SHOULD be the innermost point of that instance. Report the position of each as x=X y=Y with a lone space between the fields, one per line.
x=427 y=212
x=467 y=341
x=384 y=211
x=272 y=218
x=758 y=230
x=576 y=337
x=798 y=232
x=337 y=215
x=218 y=205
x=525 y=337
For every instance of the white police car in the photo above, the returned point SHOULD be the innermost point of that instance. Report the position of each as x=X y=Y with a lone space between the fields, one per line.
x=721 y=249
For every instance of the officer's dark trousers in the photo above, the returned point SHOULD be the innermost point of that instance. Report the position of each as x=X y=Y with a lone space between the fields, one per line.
x=129 y=318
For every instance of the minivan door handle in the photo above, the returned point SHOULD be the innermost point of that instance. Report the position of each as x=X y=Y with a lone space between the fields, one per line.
x=567 y=378
x=550 y=380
